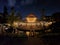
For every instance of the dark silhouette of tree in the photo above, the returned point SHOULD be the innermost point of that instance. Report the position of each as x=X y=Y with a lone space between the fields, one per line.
x=56 y=16
x=5 y=14
x=1 y=17
x=56 y=26
x=11 y=17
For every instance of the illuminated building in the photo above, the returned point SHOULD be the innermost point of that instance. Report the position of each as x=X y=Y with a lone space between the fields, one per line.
x=31 y=24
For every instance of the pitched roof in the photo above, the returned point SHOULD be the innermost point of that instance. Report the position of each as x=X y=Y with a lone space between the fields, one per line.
x=31 y=15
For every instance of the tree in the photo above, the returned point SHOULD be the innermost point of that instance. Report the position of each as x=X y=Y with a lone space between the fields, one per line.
x=56 y=16
x=12 y=18
x=5 y=14
x=56 y=26
x=1 y=17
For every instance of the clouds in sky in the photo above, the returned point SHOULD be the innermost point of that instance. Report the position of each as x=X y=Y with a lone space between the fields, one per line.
x=26 y=2
x=11 y=2
x=20 y=2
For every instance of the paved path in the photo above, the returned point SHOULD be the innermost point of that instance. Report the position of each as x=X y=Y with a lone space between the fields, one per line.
x=29 y=41
x=47 y=40
x=34 y=41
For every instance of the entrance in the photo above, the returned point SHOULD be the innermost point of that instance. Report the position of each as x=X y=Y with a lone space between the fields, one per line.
x=30 y=33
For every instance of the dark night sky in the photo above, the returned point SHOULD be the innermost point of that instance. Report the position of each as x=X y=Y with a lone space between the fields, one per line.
x=27 y=6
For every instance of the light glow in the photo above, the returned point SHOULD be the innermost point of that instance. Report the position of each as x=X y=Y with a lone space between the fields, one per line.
x=15 y=24
x=31 y=19
x=27 y=33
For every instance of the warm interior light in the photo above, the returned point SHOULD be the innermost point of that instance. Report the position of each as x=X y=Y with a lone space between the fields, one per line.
x=15 y=24
x=27 y=33
x=31 y=19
